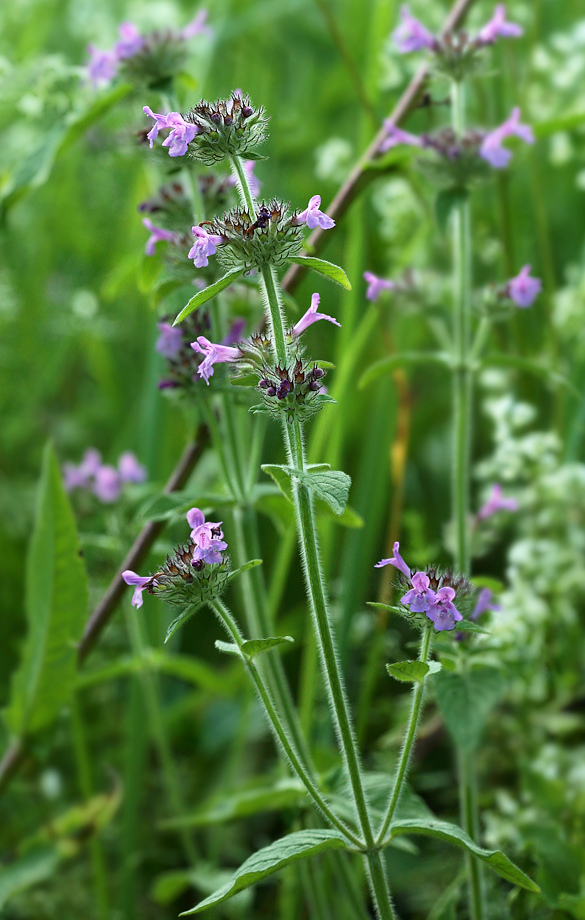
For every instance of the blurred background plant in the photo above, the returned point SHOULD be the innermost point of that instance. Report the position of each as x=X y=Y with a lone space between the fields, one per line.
x=89 y=823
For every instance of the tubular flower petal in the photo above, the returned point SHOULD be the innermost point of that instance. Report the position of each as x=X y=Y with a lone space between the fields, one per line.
x=197 y=26
x=156 y=235
x=491 y=148
x=131 y=41
x=497 y=27
x=107 y=484
x=442 y=611
x=130 y=469
x=313 y=217
x=170 y=340
x=207 y=537
x=523 y=289
x=181 y=135
x=398 y=136
x=102 y=67
x=397 y=561
x=160 y=123
x=411 y=35
x=496 y=502
x=310 y=317
x=377 y=285
x=420 y=597
x=204 y=246
x=131 y=578
x=214 y=354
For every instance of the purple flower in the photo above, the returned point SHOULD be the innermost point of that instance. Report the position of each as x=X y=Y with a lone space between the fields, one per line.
x=156 y=235
x=181 y=135
x=491 y=148
x=208 y=538
x=236 y=329
x=160 y=123
x=197 y=26
x=131 y=578
x=91 y=462
x=398 y=136
x=170 y=340
x=131 y=41
x=203 y=246
x=377 y=285
x=411 y=35
x=130 y=469
x=523 y=289
x=497 y=27
x=397 y=561
x=214 y=354
x=484 y=603
x=442 y=611
x=107 y=484
x=310 y=317
x=102 y=67
x=496 y=503
x=313 y=217
x=420 y=597
x=73 y=478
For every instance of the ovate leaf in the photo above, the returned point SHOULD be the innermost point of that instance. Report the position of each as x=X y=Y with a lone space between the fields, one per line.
x=324 y=268
x=56 y=608
x=466 y=700
x=263 y=863
x=284 y=794
x=450 y=833
x=207 y=293
x=412 y=671
x=281 y=475
x=332 y=487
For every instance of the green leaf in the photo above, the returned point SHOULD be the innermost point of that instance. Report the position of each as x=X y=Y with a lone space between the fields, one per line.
x=180 y=621
x=207 y=293
x=281 y=853
x=466 y=700
x=387 y=365
x=446 y=201
x=162 y=290
x=253 y=647
x=168 y=886
x=332 y=487
x=324 y=268
x=286 y=793
x=450 y=833
x=56 y=609
x=36 y=866
x=230 y=648
x=281 y=475
x=349 y=518
x=399 y=610
x=412 y=671
x=470 y=626
x=245 y=567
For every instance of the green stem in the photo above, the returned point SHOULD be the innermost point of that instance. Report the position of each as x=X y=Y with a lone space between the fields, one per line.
x=401 y=772
x=470 y=821
x=230 y=624
x=243 y=186
x=276 y=321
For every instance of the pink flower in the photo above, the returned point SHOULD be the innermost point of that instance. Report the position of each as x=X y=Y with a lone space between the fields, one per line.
x=102 y=67
x=73 y=477
x=107 y=485
x=313 y=217
x=411 y=35
x=491 y=148
x=495 y=503
x=398 y=136
x=497 y=27
x=208 y=538
x=130 y=469
x=203 y=246
x=214 y=354
x=160 y=123
x=377 y=285
x=131 y=578
x=397 y=561
x=181 y=135
x=91 y=462
x=420 y=597
x=170 y=340
x=197 y=26
x=131 y=41
x=523 y=289
x=442 y=611
x=310 y=317
x=156 y=235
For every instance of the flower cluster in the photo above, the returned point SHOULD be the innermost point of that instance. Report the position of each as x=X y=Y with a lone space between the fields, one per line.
x=173 y=343
x=293 y=390
x=102 y=479
x=155 y=57
x=454 y=53
x=195 y=573
x=270 y=237
x=430 y=593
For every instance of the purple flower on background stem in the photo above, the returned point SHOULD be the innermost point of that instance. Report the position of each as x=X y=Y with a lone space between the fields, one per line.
x=160 y=123
x=310 y=317
x=170 y=340
x=496 y=502
x=420 y=597
x=377 y=285
x=107 y=484
x=214 y=354
x=442 y=611
x=411 y=35
x=497 y=27
x=131 y=41
x=397 y=136
x=523 y=289
x=208 y=538
x=483 y=604
x=91 y=462
x=130 y=469
x=235 y=332
x=204 y=246
x=313 y=217
x=197 y=26
x=140 y=583
x=102 y=67
x=491 y=148
x=181 y=135
x=397 y=561
x=73 y=478
x=156 y=235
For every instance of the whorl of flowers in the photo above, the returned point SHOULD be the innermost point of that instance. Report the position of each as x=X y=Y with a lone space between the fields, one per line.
x=226 y=128
x=270 y=237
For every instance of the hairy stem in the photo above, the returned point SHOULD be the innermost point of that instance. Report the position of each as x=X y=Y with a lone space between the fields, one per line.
x=401 y=772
